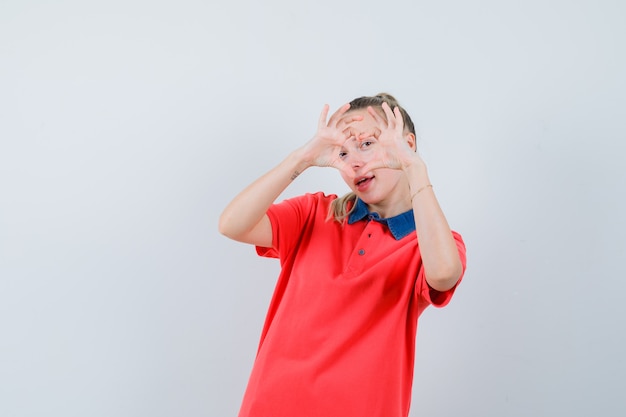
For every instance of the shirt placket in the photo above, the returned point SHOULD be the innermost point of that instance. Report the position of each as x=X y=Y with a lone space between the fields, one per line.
x=362 y=251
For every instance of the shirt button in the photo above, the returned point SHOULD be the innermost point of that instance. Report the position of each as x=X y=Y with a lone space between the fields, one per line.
x=361 y=252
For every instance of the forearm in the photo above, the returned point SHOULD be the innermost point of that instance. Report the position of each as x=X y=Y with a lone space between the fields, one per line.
x=440 y=256
x=247 y=209
x=245 y=219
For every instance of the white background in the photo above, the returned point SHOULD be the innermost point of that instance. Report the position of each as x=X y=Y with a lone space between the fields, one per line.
x=127 y=126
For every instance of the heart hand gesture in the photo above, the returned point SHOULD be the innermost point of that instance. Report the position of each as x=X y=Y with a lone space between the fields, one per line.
x=392 y=148
x=324 y=150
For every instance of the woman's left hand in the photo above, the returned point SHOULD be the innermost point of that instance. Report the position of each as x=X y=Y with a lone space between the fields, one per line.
x=395 y=148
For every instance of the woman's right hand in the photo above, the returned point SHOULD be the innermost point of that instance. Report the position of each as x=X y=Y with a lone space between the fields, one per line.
x=325 y=149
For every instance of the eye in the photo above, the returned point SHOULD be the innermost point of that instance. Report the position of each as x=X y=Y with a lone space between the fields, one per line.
x=343 y=154
x=366 y=144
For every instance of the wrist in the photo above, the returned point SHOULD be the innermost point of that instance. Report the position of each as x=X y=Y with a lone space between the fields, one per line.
x=417 y=177
x=416 y=170
x=298 y=161
x=419 y=190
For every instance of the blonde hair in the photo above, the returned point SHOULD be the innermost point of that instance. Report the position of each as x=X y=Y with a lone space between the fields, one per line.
x=341 y=207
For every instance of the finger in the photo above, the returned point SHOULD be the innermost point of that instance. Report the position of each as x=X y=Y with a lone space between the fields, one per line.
x=350 y=134
x=322 y=120
x=375 y=115
x=391 y=119
x=348 y=144
x=368 y=135
x=372 y=165
x=338 y=114
x=346 y=121
x=342 y=138
x=347 y=133
x=399 y=119
x=345 y=168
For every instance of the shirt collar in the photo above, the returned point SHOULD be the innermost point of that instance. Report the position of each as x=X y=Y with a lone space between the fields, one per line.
x=399 y=226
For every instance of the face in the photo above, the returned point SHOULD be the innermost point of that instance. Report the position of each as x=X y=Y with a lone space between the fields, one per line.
x=378 y=187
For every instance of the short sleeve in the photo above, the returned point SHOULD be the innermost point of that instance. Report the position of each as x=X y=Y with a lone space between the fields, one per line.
x=288 y=218
x=441 y=298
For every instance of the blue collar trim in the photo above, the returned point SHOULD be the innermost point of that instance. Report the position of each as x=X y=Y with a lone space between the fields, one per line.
x=399 y=226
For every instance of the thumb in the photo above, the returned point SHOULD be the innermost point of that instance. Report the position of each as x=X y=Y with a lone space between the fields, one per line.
x=346 y=169
x=372 y=165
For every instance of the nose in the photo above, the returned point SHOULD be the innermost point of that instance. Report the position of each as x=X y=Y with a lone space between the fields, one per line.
x=356 y=163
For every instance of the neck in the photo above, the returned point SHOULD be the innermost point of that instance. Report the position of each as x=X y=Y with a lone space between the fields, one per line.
x=391 y=208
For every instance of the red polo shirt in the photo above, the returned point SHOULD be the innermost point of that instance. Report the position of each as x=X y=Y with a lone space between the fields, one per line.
x=339 y=337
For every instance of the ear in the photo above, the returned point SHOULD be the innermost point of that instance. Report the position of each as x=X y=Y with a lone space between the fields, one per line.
x=410 y=139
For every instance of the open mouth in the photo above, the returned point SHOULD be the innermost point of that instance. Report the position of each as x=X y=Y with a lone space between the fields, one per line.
x=362 y=182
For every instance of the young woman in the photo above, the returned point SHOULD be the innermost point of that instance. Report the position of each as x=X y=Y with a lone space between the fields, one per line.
x=356 y=271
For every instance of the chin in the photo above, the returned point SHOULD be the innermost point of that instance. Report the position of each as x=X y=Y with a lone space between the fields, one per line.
x=369 y=200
